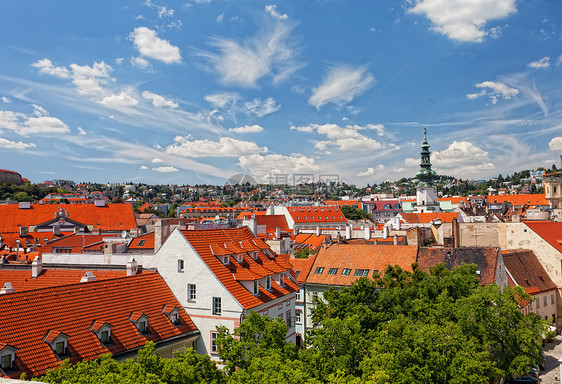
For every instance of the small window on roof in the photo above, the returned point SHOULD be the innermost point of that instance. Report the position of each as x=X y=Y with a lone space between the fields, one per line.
x=332 y=271
x=141 y=243
x=346 y=272
x=319 y=270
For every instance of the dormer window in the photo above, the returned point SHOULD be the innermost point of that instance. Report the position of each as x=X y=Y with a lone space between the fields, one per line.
x=102 y=331
x=282 y=279
x=268 y=283
x=256 y=287
x=239 y=258
x=58 y=342
x=7 y=358
x=173 y=314
x=226 y=260
x=254 y=255
x=140 y=320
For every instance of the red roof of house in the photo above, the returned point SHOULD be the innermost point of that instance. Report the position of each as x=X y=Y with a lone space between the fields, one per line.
x=551 y=232
x=205 y=242
x=77 y=242
x=327 y=214
x=527 y=271
x=272 y=222
x=355 y=257
x=111 y=217
x=309 y=240
x=302 y=267
x=51 y=277
x=27 y=317
x=427 y=217
x=139 y=244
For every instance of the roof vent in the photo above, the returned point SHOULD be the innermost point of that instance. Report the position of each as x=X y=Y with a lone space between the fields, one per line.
x=36 y=267
x=24 y=205
x=88 y=276
x=99 y=203
x=478 y=272
x=7 y=288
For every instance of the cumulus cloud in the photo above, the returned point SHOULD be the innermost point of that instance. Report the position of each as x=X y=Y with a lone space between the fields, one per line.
x=555 y=144
x=165 y=169
x=262 y=166
x=346 y=138
x=368 y=172
x=463 y=20
x=150 y=45
x=159 y=101
x=156 y=160
x=261 y=107
x=143 y=167
x=270 y=53
x=120 y=101
x=247 y=129
x=5 y=143
x=139 y=62
x=494 y=90
x=272 y=10
x=23 y=124
x=5 y=99
x=341 y=85
x=47 y=67
x=462 y=156
x=542 y=63
x=81 y=131
x=89 y=80
x=225 y=147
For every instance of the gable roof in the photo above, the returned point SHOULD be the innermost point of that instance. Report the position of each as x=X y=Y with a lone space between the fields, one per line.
x=358 y=257
x=309 y=240
x=427 y=217
x=234 y=240
x=28 y=316
x=138 y=244
x=486 y=259
x=526 y=271
x=324 y=214
x=551 y=232
x=302 y=267
x=271 y=223
x=110 y=217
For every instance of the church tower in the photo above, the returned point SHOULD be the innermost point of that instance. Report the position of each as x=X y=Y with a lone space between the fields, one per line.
x=426 y=193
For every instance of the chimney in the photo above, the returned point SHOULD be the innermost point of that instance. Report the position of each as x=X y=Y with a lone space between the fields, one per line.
x=347 y=232
x=395 y=240
x=24 y=205
x=36 y=267
x=385 y=232
x=109 y=248
x=456 y=237
x=7 y=288
x=23 y=231
x=161 y=233
x=318 y=231
x=132 y=267
x=367 y=233
x=56 y=230
x=338 y=238
x=277 y=233
x=88 y=276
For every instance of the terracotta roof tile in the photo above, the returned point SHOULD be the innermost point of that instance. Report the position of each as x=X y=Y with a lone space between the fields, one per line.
x=527 y=271
x=323 y=214
x=550 y=231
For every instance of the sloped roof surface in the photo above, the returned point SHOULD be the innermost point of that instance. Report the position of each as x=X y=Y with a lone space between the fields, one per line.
x=358 y=256
x=112 y=217
x=527 y=271
x=427 y=217
x=550 y=231
x=26 y=318
x=325 y=214
x=230 y=275
x=486 y=259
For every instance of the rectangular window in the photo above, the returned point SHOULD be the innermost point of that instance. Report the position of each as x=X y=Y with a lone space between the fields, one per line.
x=104 y=337
x=214 y=336
x=142 y=327
x=59 y=348
x=332 y=271
x=6 y=362
x=217 y=306
x=288 y=319
x=282 y=279
x=314 y=294
x=319 y=270
x=280 y=307
x=268 y=283
x=298 y=316
x=538 y=303
x=551 y=299
x=141 y=243
x=298 y=297
x=256 y=287
x=180 y=265
x=191 y=292
x=175 y=318
x=345 y=272
x=545 y=301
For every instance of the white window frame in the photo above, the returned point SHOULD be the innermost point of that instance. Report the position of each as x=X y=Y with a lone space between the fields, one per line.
x=191 y=292
x=3 y=360
x=214 y=348
x=268 y=283
x=298 y=316
x=181 y=265
x=282 y=279
x=256 y=287
x=298 y=295
x=217 y=305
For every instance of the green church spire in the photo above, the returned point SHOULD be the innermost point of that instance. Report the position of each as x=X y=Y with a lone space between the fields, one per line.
x=425 y=175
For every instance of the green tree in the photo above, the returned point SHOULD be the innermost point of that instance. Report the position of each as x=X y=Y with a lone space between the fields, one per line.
x=352 y=213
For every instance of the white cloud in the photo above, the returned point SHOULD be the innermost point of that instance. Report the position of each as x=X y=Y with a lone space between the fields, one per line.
x=149 y=44
x=494 y=90
x=261 y=108
x=225 y=147
x=157 y=160
x=269 y=53
x=555 y=144
x=89 y=80
x=47 y=67
x=346 y=138
x=119 y=60
x=81 y=131
x=264 y=165
x=462 y=157
x=5 y=99
x=159 y=101
x=39 y=110
x=220 y=17
x=368 y=172
x=247 y=129
x=120 y=101
x=542 y=63
x=165 y=169
x=4 y=143
x=341 y=85
x=463 y=20
x=220 y=100
x=44 y=124
x=559 y=61
x=272 y=10
x=140 y=62
x=143 y=167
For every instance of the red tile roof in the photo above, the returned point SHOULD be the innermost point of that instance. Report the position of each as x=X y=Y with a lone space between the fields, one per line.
x=302 y=267
x=205 y=241
x=26 y=318
x=51 y=277
x=327 y=214
x=138 y=244
x=77 y=242
x=551 y=232
x=358 y=257
x=112 y=217
x=309 y=240
x=272 y=222
x=527 y=271
x=427 y=217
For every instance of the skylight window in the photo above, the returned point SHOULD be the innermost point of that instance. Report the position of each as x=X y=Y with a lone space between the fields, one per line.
x=361 y=272
x=141 y=242
x=345 y=272
x=332 y=271
x=319 y=270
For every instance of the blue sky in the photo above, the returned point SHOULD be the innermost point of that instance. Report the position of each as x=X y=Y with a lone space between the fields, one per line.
x=194 y=92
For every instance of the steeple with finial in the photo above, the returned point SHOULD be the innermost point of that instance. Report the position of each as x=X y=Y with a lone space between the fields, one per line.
x=425 y=175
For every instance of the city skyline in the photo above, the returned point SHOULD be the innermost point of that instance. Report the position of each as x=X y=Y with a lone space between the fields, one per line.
x=195 y=92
